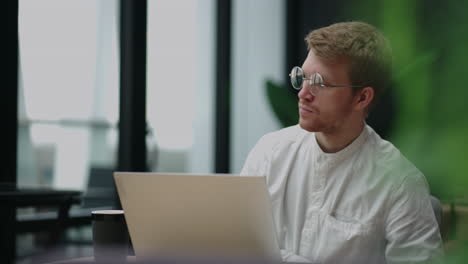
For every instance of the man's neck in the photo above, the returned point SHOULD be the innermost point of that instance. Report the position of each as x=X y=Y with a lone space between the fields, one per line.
x=338 y=140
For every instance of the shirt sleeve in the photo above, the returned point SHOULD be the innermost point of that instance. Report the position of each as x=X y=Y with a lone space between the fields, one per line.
x=293 y=258
x=412 y=232
x=257 y=160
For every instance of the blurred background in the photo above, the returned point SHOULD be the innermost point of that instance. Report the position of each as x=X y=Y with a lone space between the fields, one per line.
x=199 y=82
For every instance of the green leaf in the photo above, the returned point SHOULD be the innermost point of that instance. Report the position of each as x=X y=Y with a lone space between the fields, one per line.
x=283 y=103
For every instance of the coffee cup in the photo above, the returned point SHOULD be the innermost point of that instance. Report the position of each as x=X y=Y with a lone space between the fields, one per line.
x=110 y=236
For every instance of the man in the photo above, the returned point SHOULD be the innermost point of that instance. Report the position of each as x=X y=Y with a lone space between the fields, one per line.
x=340 y=193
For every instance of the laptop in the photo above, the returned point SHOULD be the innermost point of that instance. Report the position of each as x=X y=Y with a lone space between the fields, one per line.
x=219 y=215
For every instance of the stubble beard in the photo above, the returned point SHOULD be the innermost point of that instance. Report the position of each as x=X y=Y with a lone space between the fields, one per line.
x=310 y=125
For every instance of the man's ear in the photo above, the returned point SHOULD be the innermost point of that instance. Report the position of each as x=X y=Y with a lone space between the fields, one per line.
x=363 y=98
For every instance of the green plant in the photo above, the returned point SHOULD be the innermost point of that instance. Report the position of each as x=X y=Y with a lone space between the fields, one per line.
x=283 y=103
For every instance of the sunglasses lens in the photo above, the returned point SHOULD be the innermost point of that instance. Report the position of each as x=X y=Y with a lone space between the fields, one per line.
x=297 y=77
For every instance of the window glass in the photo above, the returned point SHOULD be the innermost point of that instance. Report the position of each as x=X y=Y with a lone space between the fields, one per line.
x=68 y=100
x=180 y=85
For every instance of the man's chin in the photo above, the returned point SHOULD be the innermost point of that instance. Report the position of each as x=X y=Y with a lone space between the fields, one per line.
x=307 y=127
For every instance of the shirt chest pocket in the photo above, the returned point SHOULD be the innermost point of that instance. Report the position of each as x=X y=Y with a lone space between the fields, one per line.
x=326 y=235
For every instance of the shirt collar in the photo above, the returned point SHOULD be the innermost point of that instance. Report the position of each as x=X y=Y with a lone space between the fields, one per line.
x=344 y=153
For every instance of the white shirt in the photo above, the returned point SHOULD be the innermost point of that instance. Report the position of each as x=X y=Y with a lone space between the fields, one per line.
x=364 y=204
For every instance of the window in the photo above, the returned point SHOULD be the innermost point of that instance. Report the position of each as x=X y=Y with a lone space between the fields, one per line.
x=180 y=84
x=68 y=100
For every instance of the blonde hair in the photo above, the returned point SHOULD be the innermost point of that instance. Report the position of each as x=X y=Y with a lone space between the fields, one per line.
x=365 y=48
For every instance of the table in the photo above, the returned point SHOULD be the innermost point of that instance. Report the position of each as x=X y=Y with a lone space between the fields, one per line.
x=132 y=259
x=12 y=197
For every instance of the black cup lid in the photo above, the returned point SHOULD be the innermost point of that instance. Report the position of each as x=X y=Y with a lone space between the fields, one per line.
x=108 y=215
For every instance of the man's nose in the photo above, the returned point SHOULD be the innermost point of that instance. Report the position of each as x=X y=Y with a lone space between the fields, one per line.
x=304 y=93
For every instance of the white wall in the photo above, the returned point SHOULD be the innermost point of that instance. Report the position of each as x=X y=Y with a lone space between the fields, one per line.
x=258 y=55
